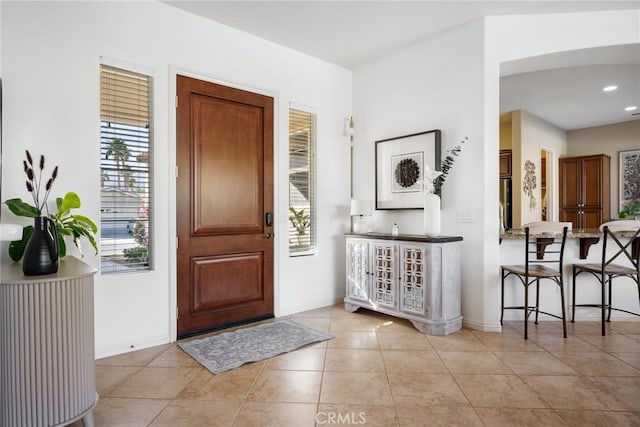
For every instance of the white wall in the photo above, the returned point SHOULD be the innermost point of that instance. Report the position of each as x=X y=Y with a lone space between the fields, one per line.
x=609 y=140
x=1 y=194
x=536 y=134
x=50 y=57
x=451 y=82
x=0 y=40
x=530 y=134
x=435 y=84
x=1 y=248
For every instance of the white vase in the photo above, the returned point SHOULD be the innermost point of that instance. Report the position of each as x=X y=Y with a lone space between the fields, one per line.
x=431 y=214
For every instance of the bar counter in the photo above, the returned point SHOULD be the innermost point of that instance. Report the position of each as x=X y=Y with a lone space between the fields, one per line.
x=625 y=294
x=587 y=237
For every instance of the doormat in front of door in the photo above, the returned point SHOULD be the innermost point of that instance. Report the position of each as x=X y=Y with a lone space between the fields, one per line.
x=230 y=350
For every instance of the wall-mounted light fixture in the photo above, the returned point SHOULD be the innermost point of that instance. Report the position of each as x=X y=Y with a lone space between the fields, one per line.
x=349 y=129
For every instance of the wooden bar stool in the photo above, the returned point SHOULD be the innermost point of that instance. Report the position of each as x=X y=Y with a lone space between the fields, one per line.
x=543 y=257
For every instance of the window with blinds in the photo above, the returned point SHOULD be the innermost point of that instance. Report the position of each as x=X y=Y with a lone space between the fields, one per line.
x=302 y=186
x=125 y=171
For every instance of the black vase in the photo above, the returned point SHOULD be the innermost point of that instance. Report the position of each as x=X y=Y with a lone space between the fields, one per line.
x=41 y=253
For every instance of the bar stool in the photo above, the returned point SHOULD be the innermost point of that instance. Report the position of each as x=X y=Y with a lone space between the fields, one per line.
x=607 y=270
x=549 y=242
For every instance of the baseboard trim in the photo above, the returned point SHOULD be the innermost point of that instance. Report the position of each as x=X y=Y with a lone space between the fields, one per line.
x=126 y=348
x=483 y=327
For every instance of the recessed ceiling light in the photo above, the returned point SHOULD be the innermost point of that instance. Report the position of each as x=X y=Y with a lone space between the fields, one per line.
x=609 y=88
x=631 y=108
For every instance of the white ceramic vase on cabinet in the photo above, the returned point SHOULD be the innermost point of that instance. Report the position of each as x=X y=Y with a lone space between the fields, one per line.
x=431 y=214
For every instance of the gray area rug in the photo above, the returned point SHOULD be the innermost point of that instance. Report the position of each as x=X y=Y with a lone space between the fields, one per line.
x=229 y=350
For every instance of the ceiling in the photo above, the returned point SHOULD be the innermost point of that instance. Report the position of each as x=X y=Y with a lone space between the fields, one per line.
x=566 y=88
x=353 y=33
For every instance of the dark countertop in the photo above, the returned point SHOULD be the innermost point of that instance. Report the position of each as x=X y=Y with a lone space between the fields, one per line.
x=407 y=237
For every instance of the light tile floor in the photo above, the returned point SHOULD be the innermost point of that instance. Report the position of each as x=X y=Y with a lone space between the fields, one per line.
x=380 y=371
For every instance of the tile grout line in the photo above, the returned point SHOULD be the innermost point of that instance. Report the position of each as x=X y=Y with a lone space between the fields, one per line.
x=455 y=380
x=169 y=400
x=520 y=376
x=324 y=366
x=386 y=374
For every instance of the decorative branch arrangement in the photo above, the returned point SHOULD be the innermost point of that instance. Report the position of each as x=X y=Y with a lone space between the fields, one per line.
x=430 y=178
x=448 y=162
x=67 y=224
x=34 y=186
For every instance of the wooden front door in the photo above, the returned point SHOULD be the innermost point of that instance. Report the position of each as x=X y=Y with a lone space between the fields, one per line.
x=224 y=151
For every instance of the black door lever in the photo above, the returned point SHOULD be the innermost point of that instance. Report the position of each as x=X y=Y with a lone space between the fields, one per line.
x=269 y=219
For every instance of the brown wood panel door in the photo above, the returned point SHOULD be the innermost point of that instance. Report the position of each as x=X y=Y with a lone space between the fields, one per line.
x=570 y=215
x=570 y=185
x=505 y=163
x=224 y=152
x=592 y=182
x=591 y=218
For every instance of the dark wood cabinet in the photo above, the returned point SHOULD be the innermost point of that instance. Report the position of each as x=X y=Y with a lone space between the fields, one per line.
x=505 y=163
x=585 y=190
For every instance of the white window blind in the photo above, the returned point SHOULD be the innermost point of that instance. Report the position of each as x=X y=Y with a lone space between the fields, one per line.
x=125 y=173
x=302 y=185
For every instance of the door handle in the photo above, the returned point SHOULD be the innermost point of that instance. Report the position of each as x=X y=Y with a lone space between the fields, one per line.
x=268 y=235
x=268 y=219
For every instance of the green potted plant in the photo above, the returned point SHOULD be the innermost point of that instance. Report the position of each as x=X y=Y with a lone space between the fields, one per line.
x=301 y=221
x=631 y=210
x=66 y=224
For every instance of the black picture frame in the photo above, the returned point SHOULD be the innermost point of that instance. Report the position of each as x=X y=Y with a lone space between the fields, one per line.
x=400 y=163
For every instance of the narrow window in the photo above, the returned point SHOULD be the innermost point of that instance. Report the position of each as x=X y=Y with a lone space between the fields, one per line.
x=302 y=186
x=125 y=174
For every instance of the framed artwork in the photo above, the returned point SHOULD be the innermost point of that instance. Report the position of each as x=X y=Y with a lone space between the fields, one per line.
x=629 y=186
x=400 y=165
x=529 y=183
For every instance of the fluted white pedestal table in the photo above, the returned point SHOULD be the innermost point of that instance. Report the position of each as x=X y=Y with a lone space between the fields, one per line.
x=47 y=353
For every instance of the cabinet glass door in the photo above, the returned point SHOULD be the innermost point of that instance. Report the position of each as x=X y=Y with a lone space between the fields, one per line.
x=358 y=270
x=413 y=282
x=384 y=274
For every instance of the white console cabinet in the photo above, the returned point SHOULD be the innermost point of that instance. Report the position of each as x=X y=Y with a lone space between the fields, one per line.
x=412 y=277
